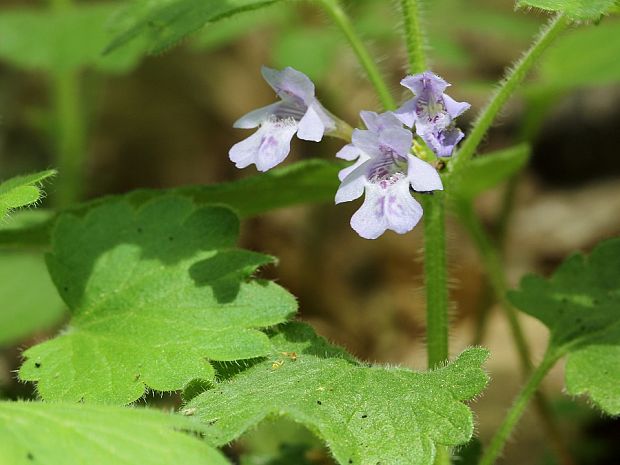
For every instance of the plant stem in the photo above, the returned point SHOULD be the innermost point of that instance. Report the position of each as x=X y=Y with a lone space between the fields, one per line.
x=414 y=36
x=516 y=411
x=497 y=277
x=338 y=15
x=513 y=78
x=69 y=129
x=436 y=280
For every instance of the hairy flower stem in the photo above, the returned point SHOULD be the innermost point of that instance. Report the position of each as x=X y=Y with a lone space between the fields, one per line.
x=495 y=271
x=69 y=134
x=436 y=279
x=414 y=36
x=516 y=411
x=340 y=18
x=510 y=83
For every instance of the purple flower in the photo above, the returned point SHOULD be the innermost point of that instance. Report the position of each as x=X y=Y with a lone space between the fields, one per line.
x=385 y=171
x=432 y=112
x=297 y=112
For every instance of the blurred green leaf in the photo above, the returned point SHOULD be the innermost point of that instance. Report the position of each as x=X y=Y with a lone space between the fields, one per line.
x=232 y=28
x=586 y=56
x=311 y=181
x=22 y=191
x=28 y=299
x=487 y=171
x=165 y=22
x=366 y=415
x=574 y=9
x=580 y=305
x=154 y=293
x=307 y=49
x=75 y=434
x=39 y=39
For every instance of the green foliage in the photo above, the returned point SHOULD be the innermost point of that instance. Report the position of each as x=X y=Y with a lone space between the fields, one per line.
x=28 y=300
x=487 y=171
x=165 y=22
x=584 y=56
x=74 y=434
x=311 y=181
x=366 y=415
x=63 y=40
x=154 y=292
x=574 y=9
x=579 y=304
x=22 y=191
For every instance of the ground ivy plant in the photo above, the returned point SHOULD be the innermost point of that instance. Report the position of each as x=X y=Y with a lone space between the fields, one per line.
x=161 y=300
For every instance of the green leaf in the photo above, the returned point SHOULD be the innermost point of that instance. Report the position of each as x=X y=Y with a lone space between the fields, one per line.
x=574 y=9
x=366 y=415
x=22 y=191
x=74 y=434
x=28 y=299
x=154 y=293
x=583 y=57
x=486 y=171
x=580 y=305
x=63 y=40
x=165 y=22
x=311 y=181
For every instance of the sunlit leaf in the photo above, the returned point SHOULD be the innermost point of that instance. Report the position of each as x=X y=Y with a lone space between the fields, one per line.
x=154 y=293
x=575 y=9
x=366 y=415
x=22 y=191
x=75 y=434
x=40 y=39
x=580 y=304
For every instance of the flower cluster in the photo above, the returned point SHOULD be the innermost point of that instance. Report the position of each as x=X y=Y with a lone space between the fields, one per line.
x=384 y=168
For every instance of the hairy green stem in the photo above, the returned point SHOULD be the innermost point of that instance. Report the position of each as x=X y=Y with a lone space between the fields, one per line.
x=513 y=78
x=414 y=36
x=518 y=408
x=340 y=18
x=497 y=277
x=436 y=279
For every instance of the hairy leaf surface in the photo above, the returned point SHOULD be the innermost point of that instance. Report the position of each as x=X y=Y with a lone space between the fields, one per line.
x=311 y=181
x=165 y=22
x=366 y=415
x=154 y=293
x=75 y=434
x=64 y=40
x=575 y=9
x=580 y=304
x=22 y=191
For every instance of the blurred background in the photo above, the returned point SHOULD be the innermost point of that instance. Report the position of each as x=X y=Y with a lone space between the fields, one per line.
x=123 y=121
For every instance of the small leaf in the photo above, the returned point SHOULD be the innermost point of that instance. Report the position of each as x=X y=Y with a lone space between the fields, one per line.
x=366 y=415
x=580 y=306
x=22 y=191
x=486 y=171
x=28 y=299
x=154 y=292
x=574 y=9
x=75 y=434
x=166 y=22
x=311 y=181
x=64 y=40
